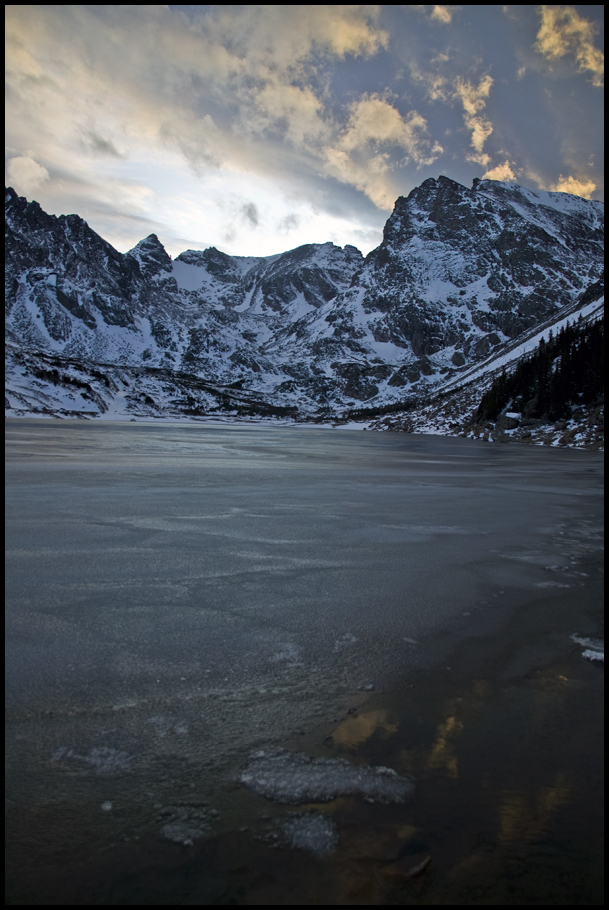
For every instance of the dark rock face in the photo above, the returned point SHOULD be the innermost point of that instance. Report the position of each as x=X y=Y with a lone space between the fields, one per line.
x=55 y=255
x=459 y=273
x=218 y=264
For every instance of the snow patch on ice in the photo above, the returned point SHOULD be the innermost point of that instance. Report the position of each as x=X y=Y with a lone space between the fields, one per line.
x=594 y=655
x=183 y=832
x=550 y=584
x=103 y=759
x=293 y=777
x=163 y=726
x=186 y=824
x=344 y=642
x=289 y=652
x=311 y=831
x=594 y=648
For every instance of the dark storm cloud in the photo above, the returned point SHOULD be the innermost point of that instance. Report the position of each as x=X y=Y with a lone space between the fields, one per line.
x=289 y=223
x=96 y=144
x=250 y=213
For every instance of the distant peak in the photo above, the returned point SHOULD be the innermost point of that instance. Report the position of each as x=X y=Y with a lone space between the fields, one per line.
x=148 y=242
x=151 y=254
x=441 y=180
x=489 y=182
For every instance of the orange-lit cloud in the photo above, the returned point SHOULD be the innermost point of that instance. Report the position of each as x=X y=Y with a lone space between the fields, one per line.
x=583 y=188
x=565 y=33
x=501 y=172
x=442 y=14
x=358 y=157
x=473 y=99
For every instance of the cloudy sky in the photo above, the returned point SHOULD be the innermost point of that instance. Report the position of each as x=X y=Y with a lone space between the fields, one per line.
x=258 y=128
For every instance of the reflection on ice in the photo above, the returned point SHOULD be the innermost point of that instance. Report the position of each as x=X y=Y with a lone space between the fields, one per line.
x=525 y=816
x=356 y=730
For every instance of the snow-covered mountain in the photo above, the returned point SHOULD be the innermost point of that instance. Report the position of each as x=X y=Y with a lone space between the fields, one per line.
x=461 y=276
x=452 y=409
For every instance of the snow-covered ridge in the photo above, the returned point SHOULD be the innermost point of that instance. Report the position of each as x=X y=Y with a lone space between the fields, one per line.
x=462 y=277
x=565 y=203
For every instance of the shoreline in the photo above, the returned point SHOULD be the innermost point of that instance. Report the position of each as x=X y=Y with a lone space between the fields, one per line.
x=570 y=436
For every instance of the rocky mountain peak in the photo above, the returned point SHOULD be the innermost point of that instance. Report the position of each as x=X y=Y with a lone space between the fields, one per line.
x=19 y=209
x=461 y=273
x=151 y=255
x=215 y=261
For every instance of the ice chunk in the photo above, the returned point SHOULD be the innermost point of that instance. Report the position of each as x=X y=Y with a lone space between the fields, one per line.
x=313 y=832
x=293 y=777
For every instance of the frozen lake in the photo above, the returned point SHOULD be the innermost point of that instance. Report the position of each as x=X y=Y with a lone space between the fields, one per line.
x=180 y=595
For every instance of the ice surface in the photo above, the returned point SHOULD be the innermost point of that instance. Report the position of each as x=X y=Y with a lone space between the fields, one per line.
x=313 y=832
x=293 y=777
